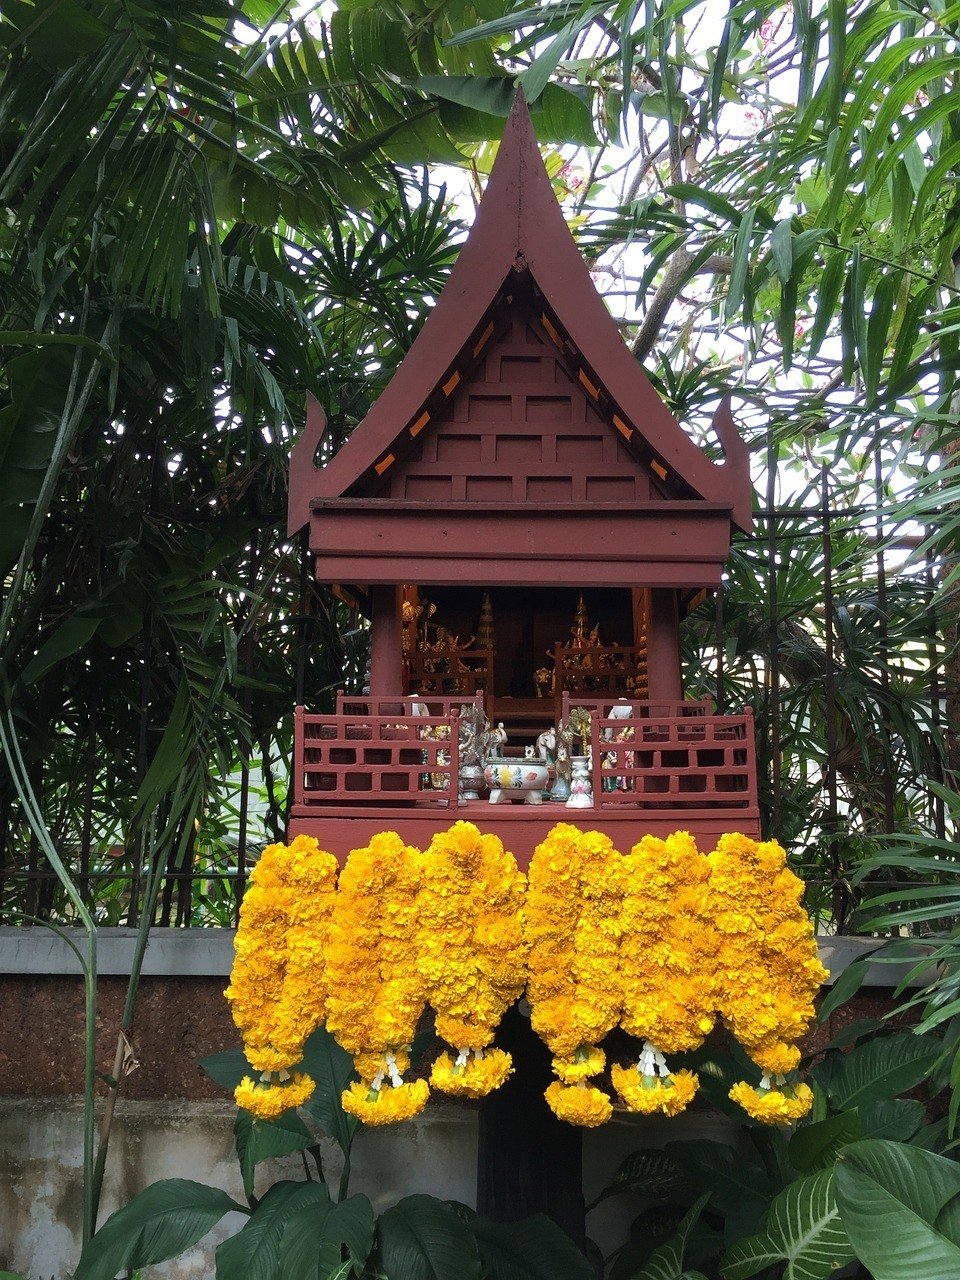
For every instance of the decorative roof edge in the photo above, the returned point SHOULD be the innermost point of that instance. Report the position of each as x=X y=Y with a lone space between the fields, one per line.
x=520 y=225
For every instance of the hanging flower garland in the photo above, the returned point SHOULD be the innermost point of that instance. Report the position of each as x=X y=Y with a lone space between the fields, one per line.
x=277 y=990
x=376 y=992
x=472 y=953
x=574 y=897
x=666 y=968
x=768 y=971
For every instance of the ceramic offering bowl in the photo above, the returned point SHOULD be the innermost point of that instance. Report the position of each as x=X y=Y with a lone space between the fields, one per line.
x=524 y=780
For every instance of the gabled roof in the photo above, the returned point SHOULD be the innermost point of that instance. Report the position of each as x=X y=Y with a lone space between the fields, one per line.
x=520 y=228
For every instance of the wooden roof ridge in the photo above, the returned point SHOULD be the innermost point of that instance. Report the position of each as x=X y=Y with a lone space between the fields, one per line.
x=520 y=226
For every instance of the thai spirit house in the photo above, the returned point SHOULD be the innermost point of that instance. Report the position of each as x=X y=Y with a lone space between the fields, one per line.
x=524 y=523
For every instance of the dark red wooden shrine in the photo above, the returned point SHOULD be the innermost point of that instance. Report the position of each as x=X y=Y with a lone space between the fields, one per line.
x=521 y=489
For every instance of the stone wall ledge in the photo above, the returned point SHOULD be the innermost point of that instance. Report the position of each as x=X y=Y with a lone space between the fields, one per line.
x=32 y=950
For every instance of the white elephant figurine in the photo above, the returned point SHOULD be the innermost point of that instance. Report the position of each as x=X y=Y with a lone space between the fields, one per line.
x=547 y=746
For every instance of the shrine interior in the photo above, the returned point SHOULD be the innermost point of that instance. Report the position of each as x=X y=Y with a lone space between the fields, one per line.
x=523 y=648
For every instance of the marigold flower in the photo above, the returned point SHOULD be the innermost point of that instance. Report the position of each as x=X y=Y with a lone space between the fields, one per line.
x=767 y=970
x=574 y=898
x=267 y=1100
x=579 y=1104
x=387 y=1104
x=376 y=993
x=586 y=1062
x=668 y=947
x=782 y=1105
x=277 y=989
x=668 y=1094
x=477 y=1075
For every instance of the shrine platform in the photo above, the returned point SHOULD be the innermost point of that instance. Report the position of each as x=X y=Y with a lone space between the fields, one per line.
x=395 y=766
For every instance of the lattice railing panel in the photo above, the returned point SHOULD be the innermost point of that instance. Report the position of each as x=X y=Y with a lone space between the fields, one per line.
x=674 y=762
x=375 y=759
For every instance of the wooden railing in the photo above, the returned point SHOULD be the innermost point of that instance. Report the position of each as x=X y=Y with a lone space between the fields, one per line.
x=641 y=708
x=663 y=761
x=383 y=752
x=370 y=759
x=362 y=704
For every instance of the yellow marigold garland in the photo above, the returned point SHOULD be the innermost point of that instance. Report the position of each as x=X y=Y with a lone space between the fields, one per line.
x=375 y=992
x=662 y=937
x=776 y=1103
x=666 y=966
x=277 y=990
x=768 y=972
x=574 y=897
x=472 y=952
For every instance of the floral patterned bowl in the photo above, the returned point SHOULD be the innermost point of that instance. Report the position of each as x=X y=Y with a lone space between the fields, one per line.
x=524 y=780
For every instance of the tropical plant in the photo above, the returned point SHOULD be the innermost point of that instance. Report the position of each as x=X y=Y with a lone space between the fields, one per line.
x=776 y=1199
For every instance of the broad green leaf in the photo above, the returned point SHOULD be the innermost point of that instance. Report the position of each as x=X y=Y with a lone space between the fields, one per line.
x=227 y=1068
x=802 y=1228
x=710 y=200
x=899 y=1206
x=512 y=22
x=332 y=1069
x=828 y=295
x=881 y=1069
x=715 y=1166
x=563 y=115
x=741 y=264
x=896 y=1119
x=847 y=984
x=352 y=1224
x=158 y=1224
x=254 y=1253
x=649 y=1173
x=423 y=1239
x=815 y=1146
x=666 y=1262
x=258 y=1140
x=532 y=1249
x=491 y=94
x=305 y=1251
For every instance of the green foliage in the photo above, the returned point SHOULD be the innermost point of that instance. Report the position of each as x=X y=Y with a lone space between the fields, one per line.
x=157 y=1224
x=802 y=1227
x=533 y=1249
x=900 y=1208
x=424 y=1239
x=666 y=1261
x=296 y=1231
x=258 y=1140
x=774 y=1199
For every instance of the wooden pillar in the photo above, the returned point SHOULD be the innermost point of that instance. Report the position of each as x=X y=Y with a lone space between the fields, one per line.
x=663 y=645
x=386 y=650
x=528 y=1161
